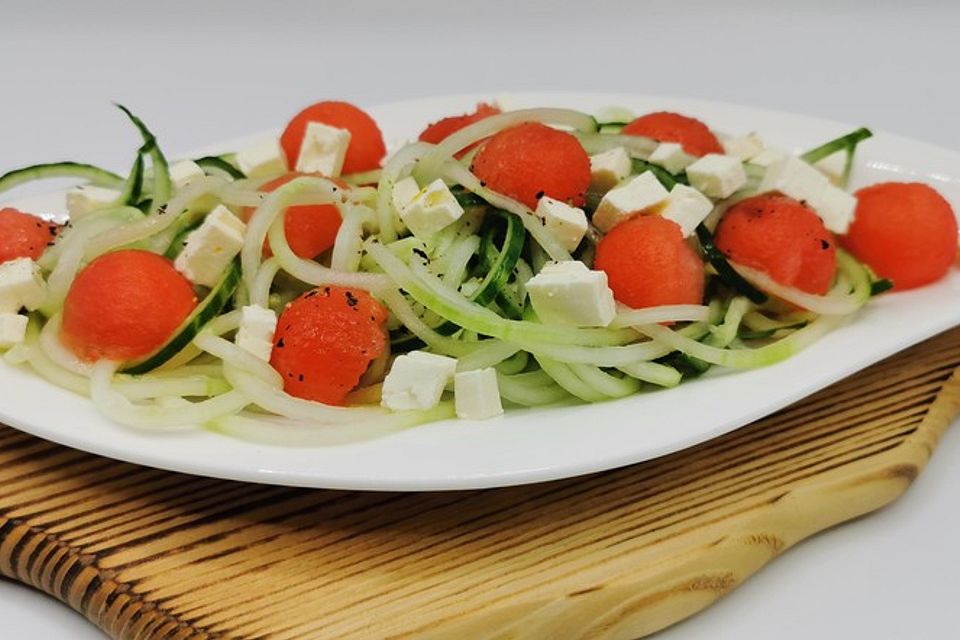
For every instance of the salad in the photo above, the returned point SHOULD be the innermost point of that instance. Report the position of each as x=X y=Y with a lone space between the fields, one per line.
x=314 y=288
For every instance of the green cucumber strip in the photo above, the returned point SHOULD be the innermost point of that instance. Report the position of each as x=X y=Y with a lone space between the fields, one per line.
x=879 y=286
x=727 y=273
x=207 y=310
x=499 y=265
x=162 y=187
x=92 y=174
x=180 y=241
x=467 y=199
x=667 y=179
x=501 y=268
x=219 y=164
x=133 y=186
x=846 y=143
x=748 y=334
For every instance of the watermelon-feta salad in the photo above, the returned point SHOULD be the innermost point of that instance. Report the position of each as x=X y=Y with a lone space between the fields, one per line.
x=313 y=288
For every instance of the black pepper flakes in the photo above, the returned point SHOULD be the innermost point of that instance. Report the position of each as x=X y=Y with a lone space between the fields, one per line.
x=280 y=344
x=420 y=252
x=300 y=377
x=351 y=299
x=824 y=245
x=540 y=194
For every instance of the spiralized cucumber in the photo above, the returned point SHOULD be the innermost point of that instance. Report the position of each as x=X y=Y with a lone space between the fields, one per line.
x=75 y=170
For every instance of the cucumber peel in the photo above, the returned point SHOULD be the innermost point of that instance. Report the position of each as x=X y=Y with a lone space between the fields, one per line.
x=91 y=173
x=219 y=164
x=211 y=307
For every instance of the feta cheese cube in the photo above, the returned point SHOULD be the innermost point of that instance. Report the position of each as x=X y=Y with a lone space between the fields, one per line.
x=768 y=156
x=607 y=169
x=262 y=160
x=13 y=330
x=211 y=247
x=87 y=199
x=431 y=210
x=793 y=177
x=743 y=147
x=476 y=394
x=404 y=191
x=836 y=208
x=833 y=166
x=639 y=194
x=671 y=157
x=717 y=176
x=21 y=285
x=255 y=335
x=687 y=207
x=569 y=293
x=416 y=381
x=184 y=172
x=323 y=150
x=567 y=224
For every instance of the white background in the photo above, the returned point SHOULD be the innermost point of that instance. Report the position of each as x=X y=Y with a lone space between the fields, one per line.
x=199 y=72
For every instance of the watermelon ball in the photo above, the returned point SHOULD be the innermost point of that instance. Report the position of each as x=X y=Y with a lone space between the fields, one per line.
x=905 y=231
x=532 y=160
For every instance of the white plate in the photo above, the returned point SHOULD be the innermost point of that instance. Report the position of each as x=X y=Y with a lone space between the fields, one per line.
x=545 y=444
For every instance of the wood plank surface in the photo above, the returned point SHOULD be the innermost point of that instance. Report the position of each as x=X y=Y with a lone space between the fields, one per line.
x=150 y=554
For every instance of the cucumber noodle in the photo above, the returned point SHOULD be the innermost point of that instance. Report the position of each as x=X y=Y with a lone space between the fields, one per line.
x=429 y=285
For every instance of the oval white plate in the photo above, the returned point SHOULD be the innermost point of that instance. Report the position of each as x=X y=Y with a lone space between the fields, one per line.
x=535 y=445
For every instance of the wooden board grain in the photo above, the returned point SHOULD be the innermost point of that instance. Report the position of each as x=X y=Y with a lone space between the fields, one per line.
x=150 y=554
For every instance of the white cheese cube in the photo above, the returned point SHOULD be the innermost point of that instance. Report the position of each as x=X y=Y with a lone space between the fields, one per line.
x=431 y=210
x=416 y=381
x=87 y=199
x=476 y=394
x=768 y=156
x=13 y=330
x=687 y=207
x=717 y=176
x=607 y=169
x=569 y=293
x=255 y=335
x=833 y=166
x=21 y=285
x=323 y=150
x=793 y=177
x=639 y=194
x=262 y=160
x=671 y=157
x=404 y=191
x=567 y=224
x=836 y=208
x=211 y=247
x=743 y=147
x=184 y=172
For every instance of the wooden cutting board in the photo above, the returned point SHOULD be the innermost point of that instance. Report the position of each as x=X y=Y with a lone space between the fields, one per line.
x=150 y=554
